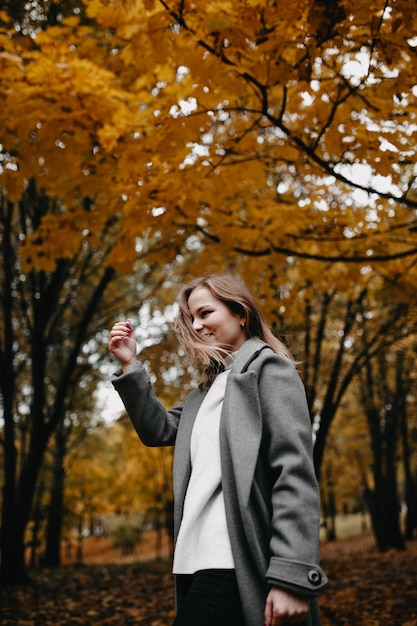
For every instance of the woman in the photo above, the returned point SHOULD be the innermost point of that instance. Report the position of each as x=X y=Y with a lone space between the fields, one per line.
x=246 y=502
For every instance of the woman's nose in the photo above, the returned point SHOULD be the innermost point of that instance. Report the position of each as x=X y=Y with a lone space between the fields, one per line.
x=197 y=325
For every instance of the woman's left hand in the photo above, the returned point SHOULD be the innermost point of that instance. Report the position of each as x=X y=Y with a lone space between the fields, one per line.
x=284 y=608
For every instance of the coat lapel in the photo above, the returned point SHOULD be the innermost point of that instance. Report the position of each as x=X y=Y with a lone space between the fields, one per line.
x=241 y=426
x=246 y=354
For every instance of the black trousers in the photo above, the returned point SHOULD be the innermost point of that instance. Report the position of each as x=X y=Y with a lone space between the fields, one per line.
x=208 y=598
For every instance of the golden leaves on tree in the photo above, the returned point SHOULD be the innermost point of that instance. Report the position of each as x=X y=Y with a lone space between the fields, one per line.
x=236 y=127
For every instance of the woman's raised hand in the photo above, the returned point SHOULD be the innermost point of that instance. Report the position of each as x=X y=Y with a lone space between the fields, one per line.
x=122 y=344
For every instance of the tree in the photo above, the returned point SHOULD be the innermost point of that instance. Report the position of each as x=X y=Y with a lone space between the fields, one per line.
x=408 y=442
x=41 y=342
x=68 y=435
x=314 y=100
x=89 y=473
x=346 y=466
x=345 y=337
x=381 y=408
x=113 y=473
x=48 y=335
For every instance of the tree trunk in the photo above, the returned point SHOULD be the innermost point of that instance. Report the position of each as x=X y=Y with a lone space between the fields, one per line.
x=14 y=522
x=55 y=514
x=410 y=484
x=383 y=420
x=384 y=510
x=12 y=558
x=80 y=540
x=37 y=519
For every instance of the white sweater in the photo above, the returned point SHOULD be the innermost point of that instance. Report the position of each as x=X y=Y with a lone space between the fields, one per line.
x=203 y=540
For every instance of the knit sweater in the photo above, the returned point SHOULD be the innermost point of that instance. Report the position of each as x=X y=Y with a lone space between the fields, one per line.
x=203 y=541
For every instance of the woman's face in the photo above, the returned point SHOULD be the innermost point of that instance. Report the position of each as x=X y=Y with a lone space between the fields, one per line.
x=214 y=321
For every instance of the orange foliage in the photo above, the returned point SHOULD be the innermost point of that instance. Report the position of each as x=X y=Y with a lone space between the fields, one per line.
x=264 y=129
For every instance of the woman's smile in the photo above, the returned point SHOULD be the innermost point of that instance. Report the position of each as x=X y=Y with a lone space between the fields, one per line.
x=214 y=321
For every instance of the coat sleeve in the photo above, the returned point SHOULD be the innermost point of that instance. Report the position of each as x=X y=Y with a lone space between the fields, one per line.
x=295 y=504
x=155 y=425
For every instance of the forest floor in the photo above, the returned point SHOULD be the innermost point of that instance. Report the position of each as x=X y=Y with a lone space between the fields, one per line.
x=365 y=588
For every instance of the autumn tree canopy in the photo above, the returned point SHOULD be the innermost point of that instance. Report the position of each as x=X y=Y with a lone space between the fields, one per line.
x=260 y=126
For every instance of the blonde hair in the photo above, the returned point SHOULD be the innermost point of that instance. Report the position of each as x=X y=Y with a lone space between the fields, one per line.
x=232 y=292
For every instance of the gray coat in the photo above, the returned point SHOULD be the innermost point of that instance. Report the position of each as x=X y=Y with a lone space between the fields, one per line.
x=270 y=489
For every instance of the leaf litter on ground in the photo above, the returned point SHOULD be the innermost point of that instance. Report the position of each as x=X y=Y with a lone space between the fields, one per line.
x=365 y=588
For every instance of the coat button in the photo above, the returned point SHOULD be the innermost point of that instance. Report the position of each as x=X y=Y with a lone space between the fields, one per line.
x=314 y=577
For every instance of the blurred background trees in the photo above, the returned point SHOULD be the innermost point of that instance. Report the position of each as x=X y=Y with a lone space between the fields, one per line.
x=143 y=143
